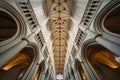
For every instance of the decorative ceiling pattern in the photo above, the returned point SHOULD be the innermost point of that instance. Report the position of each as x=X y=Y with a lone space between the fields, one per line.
x=59 y=13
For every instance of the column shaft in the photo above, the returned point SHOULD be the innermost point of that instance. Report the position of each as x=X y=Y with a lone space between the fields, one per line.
x=7 y=55
x=113 y=47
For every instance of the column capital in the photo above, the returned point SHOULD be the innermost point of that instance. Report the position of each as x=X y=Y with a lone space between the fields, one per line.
x=25 y=39
x=97 y=36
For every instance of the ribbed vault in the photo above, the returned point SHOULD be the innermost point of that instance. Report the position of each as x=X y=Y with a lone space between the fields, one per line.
x=59 y=13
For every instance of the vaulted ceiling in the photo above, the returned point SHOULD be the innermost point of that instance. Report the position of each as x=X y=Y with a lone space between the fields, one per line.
x=59 y=13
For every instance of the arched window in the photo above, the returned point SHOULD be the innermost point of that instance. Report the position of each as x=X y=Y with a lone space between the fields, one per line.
x=8 y=26
x=103 y=61
x=112 y=21
x=18 y=65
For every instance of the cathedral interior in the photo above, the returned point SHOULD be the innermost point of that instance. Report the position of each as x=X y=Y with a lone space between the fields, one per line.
x=59 y=40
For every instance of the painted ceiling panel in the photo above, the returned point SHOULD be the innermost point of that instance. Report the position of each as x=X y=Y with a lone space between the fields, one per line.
x=59 y=14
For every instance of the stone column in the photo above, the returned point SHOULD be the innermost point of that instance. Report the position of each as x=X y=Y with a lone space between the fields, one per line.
x=7 y=55
x=5 y=46
x=68 y=76
x=77 y=75
x=75 y=70
x=49 y=75
x=42 y=75
x=87 y=71
x=71 y=76
x=31 y=72
x=112 y=46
